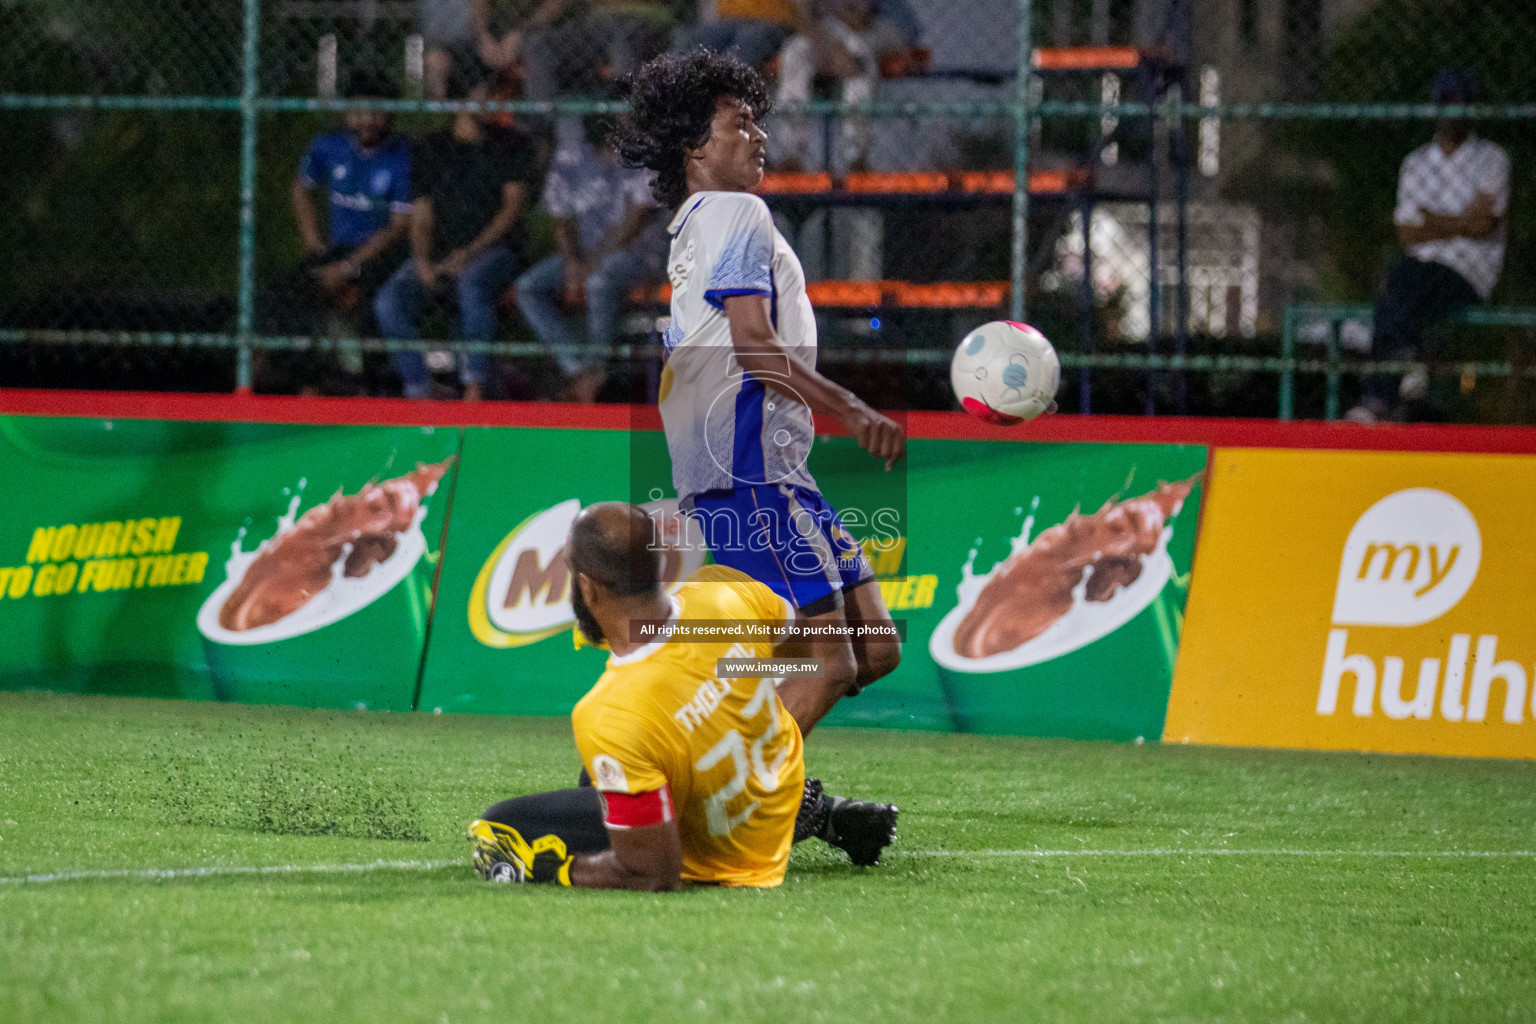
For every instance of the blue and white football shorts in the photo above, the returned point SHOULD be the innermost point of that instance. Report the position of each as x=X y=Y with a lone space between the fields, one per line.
x=786 y=536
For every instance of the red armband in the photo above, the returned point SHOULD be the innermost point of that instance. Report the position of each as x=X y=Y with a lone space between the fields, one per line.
x=637 y=810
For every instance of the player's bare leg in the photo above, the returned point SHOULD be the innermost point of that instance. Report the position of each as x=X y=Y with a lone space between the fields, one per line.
x=875 y=657
x=850 y=664
x=809 y=698
x=860 y=828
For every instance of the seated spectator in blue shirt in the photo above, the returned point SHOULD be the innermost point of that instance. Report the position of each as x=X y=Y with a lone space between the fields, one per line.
x=365 y=171
x=472 y=183
x=607 y=241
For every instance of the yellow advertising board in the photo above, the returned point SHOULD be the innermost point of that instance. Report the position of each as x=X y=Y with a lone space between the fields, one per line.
x=1377 y=601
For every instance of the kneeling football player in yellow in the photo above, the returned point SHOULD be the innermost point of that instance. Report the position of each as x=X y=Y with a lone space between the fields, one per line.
x=697 y=777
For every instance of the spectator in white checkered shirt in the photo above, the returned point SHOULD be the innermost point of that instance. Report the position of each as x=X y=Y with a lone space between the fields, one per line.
x=1452 y=195
x=607 y=240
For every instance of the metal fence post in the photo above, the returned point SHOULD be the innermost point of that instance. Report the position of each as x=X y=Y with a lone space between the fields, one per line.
x=1086 y=299
x=1155 y=292
x=1020 y=259
x=246 y=308
x=1179 y=157
x=1288 y=353
x=1331 y=411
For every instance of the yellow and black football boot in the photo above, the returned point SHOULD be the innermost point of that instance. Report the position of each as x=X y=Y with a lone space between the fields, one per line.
x=502 y=855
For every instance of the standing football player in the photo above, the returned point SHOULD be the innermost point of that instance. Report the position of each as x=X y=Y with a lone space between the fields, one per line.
x=740 y=388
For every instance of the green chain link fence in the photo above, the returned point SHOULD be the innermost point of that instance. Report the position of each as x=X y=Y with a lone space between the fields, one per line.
x=1200 y=177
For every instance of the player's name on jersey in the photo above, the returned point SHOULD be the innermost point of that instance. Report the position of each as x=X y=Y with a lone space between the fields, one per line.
x=646 y=631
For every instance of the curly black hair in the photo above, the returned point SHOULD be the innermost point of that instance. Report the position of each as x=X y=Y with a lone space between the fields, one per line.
x=672 y=103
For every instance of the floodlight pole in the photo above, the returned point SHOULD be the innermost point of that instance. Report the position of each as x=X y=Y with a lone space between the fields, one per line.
x=1019 y=262
x=246 y=301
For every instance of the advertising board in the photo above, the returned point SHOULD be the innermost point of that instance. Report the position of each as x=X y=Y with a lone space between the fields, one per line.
x=1041 y=586
x=502 y=641
x=1364 y=601
x=1060 y=574
x=251 y=562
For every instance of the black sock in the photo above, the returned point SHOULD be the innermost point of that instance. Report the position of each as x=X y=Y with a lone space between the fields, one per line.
x=828 y=804
x=815 y=812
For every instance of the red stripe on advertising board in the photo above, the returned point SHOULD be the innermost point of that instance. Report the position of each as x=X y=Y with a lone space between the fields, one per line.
x=162 y=405
x=1229 y=433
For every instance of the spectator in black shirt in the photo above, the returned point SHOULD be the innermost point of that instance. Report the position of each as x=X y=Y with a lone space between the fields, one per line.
x=471 y=186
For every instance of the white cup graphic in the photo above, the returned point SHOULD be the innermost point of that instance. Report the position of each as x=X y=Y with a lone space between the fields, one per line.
x=1408 y=560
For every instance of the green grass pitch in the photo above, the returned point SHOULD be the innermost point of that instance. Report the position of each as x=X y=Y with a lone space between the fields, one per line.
x=1033 y=880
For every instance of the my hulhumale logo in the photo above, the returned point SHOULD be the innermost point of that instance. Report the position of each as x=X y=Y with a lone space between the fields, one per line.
x=1409 y=560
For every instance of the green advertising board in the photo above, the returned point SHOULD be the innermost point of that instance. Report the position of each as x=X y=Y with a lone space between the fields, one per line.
x=960 y=527
x=1040 y=586
x=248 y=562
x=502 y=641
x=1043 y=590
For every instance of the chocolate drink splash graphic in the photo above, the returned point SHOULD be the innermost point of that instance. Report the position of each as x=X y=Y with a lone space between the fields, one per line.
x=297 y=563
x=1032 y=590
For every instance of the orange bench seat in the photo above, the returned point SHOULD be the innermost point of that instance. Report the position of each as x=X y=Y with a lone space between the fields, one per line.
x=878 y=295
x=919 y=183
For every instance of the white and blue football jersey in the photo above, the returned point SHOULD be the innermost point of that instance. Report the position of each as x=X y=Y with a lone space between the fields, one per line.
x=726 y=429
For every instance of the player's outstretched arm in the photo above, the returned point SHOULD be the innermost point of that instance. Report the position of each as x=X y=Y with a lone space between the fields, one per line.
x=647 y=859
x=761 y=353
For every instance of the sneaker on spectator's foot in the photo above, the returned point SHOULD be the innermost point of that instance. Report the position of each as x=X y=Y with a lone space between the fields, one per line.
x=1415 y=386
x=1370 y=412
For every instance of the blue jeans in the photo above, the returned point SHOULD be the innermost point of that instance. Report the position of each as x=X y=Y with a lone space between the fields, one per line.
x=1416 y=295
x=398 y=306
x=538 y=296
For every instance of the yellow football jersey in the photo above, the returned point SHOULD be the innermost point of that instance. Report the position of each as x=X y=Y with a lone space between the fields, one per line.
x=731 y=755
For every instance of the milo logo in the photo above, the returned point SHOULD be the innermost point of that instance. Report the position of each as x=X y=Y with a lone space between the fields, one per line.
x=523 y=592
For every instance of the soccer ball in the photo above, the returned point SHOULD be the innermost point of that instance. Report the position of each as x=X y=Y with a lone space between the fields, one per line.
x=1005 y=372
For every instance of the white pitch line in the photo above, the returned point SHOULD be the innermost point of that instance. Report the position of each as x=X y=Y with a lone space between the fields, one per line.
x=235 y=869
x=1218 y=852
x=432 y=865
